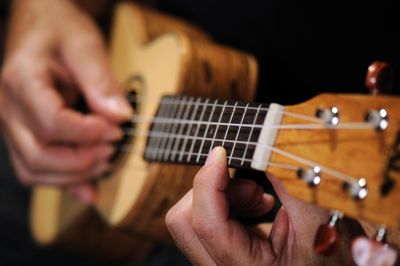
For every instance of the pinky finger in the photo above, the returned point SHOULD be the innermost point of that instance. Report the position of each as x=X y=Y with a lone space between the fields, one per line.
x=85 y=192
x=28 y=178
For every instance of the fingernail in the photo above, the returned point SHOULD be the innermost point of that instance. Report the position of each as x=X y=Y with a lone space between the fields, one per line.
x=105 y=152
x=119 y=106
x=113 y=134
x=218 y=154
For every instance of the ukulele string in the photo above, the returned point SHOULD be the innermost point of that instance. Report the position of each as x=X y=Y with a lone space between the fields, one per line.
x=138 y=119
x=141 y=119
x=324 y=169
x=142 y=99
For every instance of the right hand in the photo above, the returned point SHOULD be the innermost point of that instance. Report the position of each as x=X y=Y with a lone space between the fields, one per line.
x=54 y=50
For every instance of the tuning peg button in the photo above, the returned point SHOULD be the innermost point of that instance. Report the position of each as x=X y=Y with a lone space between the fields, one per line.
x=327 y=239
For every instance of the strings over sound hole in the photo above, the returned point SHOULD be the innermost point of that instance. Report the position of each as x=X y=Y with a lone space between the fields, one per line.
x=123 y=146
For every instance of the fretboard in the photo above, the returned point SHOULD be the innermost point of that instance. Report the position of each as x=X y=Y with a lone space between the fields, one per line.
x=185 y=129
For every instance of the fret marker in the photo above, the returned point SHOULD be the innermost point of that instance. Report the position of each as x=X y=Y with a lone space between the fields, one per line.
x=267 y=137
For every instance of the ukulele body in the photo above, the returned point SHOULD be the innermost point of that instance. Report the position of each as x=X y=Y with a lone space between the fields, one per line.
x=152 y=55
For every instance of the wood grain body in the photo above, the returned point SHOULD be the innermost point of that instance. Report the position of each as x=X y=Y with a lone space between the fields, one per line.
x=358 y=153
x=157 y=55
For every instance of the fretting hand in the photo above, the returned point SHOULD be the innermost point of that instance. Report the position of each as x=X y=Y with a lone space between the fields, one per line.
x=204 y=227
x=54 y=51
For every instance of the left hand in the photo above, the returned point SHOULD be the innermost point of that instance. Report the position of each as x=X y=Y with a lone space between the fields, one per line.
x=204 y=227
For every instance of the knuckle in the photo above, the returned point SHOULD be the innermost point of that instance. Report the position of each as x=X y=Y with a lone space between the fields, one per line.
x=173 y=219
x=31 y=160
x=24 y=178
x=46 y=131
x=86 y=163
x=178 y=218
x=90 y=42
x=204 y=229
x=8 y=75
x=11 y=71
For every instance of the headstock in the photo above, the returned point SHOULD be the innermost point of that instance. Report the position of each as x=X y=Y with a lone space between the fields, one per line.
x=344 y=154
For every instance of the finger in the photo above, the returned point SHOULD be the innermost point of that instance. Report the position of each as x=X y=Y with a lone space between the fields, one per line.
x=371 y=253
x=247 y=198
x=213 y=224
x=59 y=159
x=179 y=224
x=45 y=111
x=87 y=60
x=304 y=218
x=85 y=192
x=28 y=178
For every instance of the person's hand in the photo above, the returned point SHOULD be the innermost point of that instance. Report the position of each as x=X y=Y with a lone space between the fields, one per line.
x=54 y=52
x=204 y=227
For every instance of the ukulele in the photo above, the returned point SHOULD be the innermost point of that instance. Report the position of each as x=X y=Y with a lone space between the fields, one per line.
x=338 y=151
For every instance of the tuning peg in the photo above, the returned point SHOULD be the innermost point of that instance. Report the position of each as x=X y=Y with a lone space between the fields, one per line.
x=368 y=252
x=379 y=78
x=328 y=238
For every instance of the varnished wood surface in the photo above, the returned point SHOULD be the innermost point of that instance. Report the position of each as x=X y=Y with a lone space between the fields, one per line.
x=357 y=153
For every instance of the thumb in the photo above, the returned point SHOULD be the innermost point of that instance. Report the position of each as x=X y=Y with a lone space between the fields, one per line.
x=88 y=62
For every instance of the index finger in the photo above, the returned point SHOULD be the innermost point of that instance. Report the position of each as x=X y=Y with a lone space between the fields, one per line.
x=41 y=107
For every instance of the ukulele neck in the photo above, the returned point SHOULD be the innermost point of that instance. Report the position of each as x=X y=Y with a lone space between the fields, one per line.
x=185 y=129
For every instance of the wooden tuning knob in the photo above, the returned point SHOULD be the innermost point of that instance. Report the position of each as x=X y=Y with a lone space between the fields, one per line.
x=328 y=238
x=379 y=79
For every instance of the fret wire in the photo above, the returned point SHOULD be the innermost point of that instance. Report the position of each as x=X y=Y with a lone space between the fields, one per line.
x=156 y=126
x=237 y=134
x=186 y=114
x=216 y=129
x=197 y=122
x=197 y=130
x=299 y=159
x=251 y=132
x=229 y=125
x=205 y=131
x=345 y=125
x=295 y=115
x=167 y=129
x=159 y=134
x=170 y=141
x=203 y=154
x=208 y=125
x=189 y=127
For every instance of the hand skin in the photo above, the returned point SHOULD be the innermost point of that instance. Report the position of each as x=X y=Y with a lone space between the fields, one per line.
x=53 y=52
x=204 y=227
